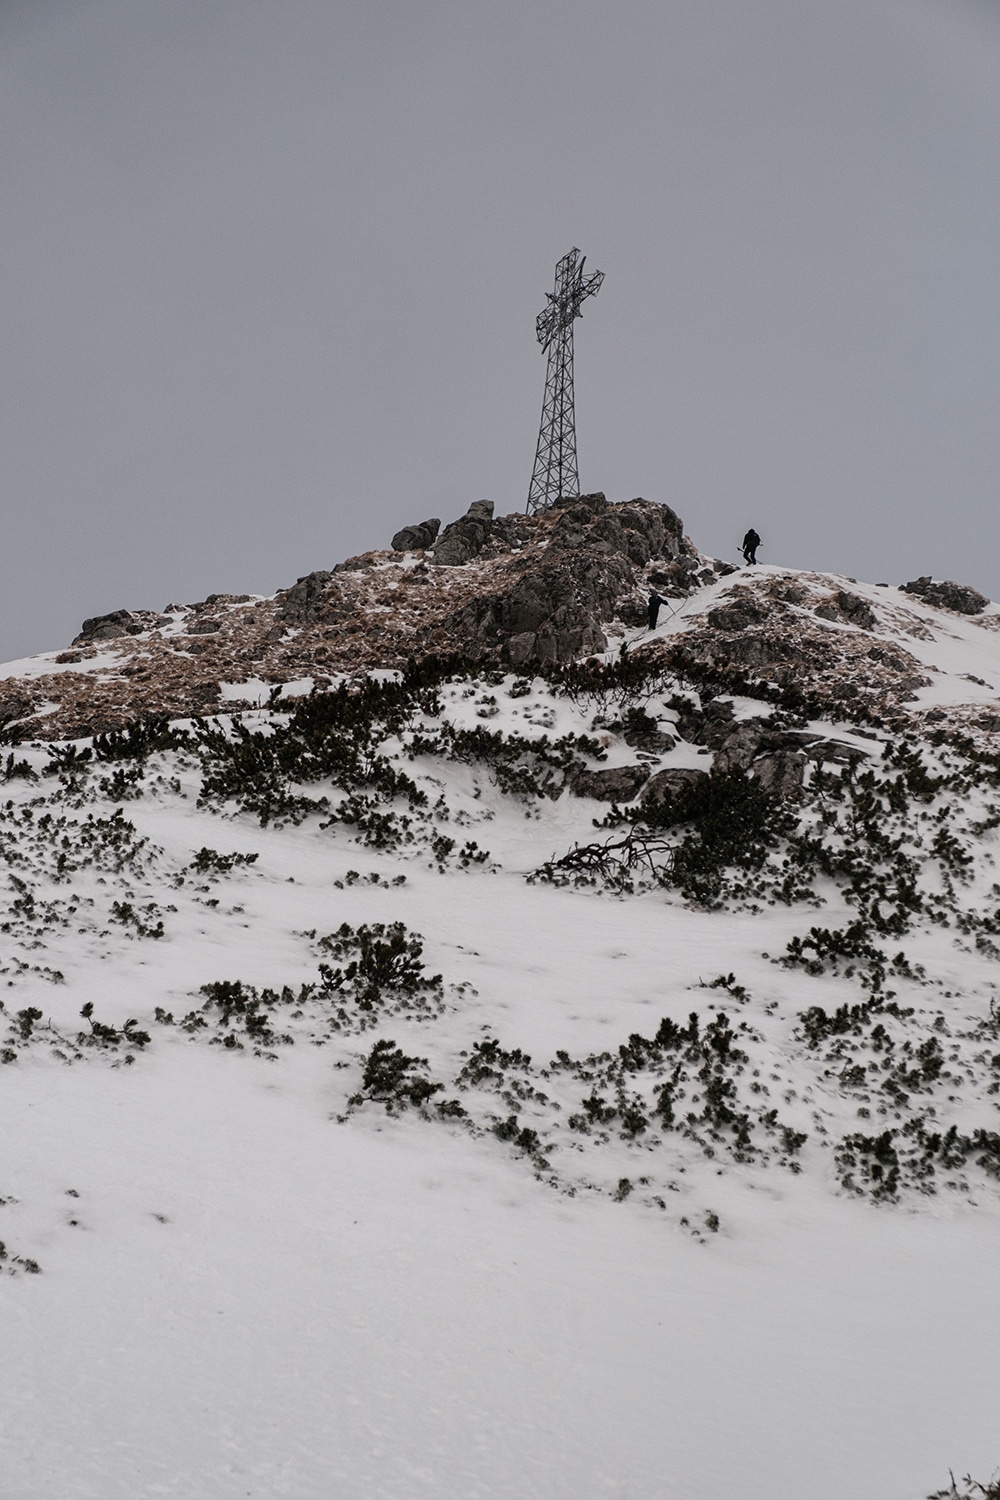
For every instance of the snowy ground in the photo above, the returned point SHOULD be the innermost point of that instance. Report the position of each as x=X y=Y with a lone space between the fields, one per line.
x=329 y=1312
x=249 y=1287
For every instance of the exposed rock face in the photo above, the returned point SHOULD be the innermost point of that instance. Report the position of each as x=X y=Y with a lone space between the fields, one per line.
x=846 y=607
x=416 y=538
x=711 y=725
x=618 y=784
x=856 y=611
x=553 y=607
x=314 y=598
x=636 y=530
x=545 y=610
x=738 y=616
x=772 y=757
x=829 y=752
x=767 y=627
x=465 y=538
x=776 y=757
x=679 y=577
x=782 y=773
x=106 y=627
x=514 y=588
x=947 y=595
x=666 y=785
x=739 y=749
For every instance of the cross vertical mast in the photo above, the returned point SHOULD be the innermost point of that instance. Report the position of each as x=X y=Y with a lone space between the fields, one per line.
x=555 y=474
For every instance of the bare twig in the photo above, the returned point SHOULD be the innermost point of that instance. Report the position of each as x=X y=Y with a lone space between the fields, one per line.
x=612 y=859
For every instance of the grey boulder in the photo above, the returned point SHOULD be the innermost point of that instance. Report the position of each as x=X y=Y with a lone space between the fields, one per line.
x=106 y=627
x=781 y=774
x=416 y=538
x=668 y=784
x=618 y=784
x=948 y=595
x=465 y=538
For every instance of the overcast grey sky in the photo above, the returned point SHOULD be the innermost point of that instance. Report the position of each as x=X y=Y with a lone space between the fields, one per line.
x=270 y=270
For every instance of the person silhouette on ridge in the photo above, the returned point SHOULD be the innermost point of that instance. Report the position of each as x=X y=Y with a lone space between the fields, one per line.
x=750 y=544
x=653 y=604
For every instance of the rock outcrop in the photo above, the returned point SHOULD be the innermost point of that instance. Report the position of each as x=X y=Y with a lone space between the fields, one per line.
x=514 y=589
x=781 y=774
x=553 y=607
x=776 y=757
x=548 y=588
x=416 y=538
x=947 y=595
x=544 y=610
x=118 y=622
x=616 y=784
x=670 y=783
x=465 y=538
x=311 y=600
x=846 y=608
x=792 y=632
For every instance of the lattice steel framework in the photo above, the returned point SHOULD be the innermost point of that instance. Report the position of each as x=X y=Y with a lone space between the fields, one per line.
x=555 y=473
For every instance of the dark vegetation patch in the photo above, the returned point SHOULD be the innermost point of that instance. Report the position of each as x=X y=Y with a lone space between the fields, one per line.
x=366 y=975
x=690 y=1087
x=15 y=1265
x=724 y=827
x=895 y=843
x=338 y=740
x=903 y=1069
x=211 y=862
x=368 y=968
x=394 y=1080
x=972 y=1489
x=28 y=1028
x=45 y=851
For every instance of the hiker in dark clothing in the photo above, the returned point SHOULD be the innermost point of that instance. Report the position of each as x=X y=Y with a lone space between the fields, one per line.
x=654 y=603
x=750 y=544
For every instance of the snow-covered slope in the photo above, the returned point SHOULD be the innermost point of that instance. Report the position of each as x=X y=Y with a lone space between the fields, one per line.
x=378 y=1126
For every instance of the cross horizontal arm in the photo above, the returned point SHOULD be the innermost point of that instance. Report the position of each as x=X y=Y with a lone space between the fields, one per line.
x=571 y=289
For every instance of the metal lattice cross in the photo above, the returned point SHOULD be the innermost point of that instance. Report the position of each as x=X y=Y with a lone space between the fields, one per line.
x=555 y=474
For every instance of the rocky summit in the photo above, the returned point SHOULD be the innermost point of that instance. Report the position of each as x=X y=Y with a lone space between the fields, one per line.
x=552 y=588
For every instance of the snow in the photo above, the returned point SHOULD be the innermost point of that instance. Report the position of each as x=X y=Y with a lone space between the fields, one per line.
x=256 y=690
x=48 y=663
x=247 y=1289
x=381 y=1314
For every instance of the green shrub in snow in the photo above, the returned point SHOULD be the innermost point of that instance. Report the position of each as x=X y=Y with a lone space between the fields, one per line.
x=393 y=1079
x=379 y=965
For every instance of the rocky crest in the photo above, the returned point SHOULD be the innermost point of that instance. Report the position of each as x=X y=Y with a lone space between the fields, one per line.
x=517 y=589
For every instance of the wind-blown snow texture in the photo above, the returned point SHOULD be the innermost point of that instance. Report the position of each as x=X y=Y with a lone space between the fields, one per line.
x=376 y=1125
